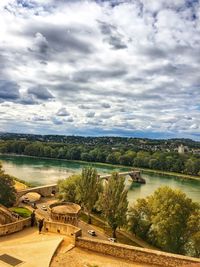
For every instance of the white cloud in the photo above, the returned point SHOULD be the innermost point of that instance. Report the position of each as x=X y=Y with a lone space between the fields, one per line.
x=120 y=66
x=62 y=112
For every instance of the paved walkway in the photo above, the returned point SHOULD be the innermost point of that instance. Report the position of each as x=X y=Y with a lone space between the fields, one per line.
x=30 y=247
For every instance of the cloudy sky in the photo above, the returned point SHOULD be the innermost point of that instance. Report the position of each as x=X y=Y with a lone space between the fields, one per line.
x=117 y=67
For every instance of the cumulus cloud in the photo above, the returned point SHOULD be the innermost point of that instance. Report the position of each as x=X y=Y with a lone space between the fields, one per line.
x=106 y=105
x=57 y=121
x=40 y=92
x=62 y=112
x=90 y=114
x=112 y=36
x=9 y=90
x=120 y=67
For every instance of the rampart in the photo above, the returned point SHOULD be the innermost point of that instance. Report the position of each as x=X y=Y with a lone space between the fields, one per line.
x=10 y=228
x=62 y=228
x=136 y=254
x=6 y=216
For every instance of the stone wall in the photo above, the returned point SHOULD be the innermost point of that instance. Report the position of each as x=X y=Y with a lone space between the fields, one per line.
x=136 y=254
x=6 y=216
x=62 y=228
x=14 y=227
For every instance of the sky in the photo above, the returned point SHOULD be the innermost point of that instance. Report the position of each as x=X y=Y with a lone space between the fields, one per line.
x=118 y=67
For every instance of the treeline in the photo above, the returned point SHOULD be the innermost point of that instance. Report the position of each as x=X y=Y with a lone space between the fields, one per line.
x=159 y=160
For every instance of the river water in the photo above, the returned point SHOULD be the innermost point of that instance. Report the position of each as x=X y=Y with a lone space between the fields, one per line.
x=47 y=171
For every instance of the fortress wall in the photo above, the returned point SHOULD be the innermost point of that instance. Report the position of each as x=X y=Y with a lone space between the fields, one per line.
x=135 y=254
x=14 y=227
x=62 y=228
x=6 y=216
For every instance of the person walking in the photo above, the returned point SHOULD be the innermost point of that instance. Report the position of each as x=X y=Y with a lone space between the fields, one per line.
x=32 y=218
x=40 y=225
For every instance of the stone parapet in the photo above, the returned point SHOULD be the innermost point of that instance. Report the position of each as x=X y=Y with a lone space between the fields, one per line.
x=62 y=228
x=10 y=228
x=135 y=254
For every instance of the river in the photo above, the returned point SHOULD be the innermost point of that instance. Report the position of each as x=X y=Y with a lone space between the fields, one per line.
x=46 y=171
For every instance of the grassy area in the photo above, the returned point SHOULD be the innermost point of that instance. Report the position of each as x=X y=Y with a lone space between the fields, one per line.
x=103 y=227
x=23 y=212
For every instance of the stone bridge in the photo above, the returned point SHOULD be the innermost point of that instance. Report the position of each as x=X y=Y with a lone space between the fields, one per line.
x=44 y=191
x=134 y=174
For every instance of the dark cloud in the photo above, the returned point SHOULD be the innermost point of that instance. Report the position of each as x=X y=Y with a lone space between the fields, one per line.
x=9 y=90
x=153 y=52
x=57 y=38
x=40 y=93
x=113 y=3
x=27 y=99
x=83 y=106
x=69 y=120
x=40 y=47
x=105 y=105
x=84 y=76
x=116 y=42
x=90 y=114
x=111 y=35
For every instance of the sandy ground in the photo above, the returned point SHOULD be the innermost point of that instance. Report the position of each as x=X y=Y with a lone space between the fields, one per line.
x=84 y=258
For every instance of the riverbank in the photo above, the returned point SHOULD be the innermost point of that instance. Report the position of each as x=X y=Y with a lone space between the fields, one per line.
x=112 y=166
x=170 y=174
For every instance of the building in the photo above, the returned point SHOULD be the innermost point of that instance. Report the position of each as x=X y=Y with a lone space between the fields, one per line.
x=65 y=212
x=182 y=149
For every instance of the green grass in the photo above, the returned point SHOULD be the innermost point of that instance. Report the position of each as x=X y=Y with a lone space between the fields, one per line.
x=23 y=212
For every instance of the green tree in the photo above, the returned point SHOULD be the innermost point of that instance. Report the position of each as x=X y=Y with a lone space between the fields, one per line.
x=7 y=190
x=68 y=188
x=88 y=189
x=113 y=158
x=166 y=219
x=127 y=158
x=113 y=202
x=139 y=219
x=193 y=234
x=142 y=159
x=85 y=156
x=192 y=166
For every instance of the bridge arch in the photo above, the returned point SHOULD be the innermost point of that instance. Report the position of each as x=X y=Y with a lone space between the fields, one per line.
x=44 y=191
